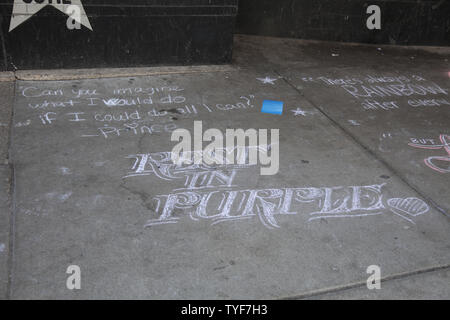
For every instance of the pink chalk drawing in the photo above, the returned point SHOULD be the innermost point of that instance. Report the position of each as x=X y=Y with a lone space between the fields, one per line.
x=437 y=163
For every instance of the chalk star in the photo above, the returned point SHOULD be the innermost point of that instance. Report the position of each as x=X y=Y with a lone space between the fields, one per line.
x=354 y=122
x=299 y=111
x=23 y=11
x=267 y=80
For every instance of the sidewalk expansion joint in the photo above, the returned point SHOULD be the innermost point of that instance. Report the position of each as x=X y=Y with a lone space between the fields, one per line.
x=12 y=217
x=361 y=284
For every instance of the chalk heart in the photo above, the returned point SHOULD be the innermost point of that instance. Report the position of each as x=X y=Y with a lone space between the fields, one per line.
x=445 y=139
x=411 y=206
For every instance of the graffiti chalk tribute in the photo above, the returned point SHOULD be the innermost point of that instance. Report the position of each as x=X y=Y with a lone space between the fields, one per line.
x=437 y=163
x=268 y=204
x=197 y=201
x=368 y=90
x=407 y=207
x=212 y=192
x=195 y=176
x=122 y=111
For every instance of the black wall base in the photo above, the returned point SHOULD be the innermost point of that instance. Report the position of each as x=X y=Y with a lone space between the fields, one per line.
x=403 y=22
x=136 y=33
x=125 y=34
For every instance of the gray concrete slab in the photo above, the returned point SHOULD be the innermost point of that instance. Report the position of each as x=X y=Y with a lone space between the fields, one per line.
x=6 y=105
x=394 y=102
x=424 y=286
x=5 y=213
x=90 y=196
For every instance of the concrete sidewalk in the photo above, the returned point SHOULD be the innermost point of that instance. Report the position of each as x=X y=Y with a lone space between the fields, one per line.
x=364 y=178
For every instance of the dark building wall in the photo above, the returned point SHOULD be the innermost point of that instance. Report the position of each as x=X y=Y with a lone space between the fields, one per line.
x=126 y=33
x=129 y=33
x=403 y=22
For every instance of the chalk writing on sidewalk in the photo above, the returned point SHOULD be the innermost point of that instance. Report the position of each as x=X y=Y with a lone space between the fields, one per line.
x=109 y=113
x=437 y=163
x=381 y=92
x=268 y=204
x=209 y=193
x=195 y=176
